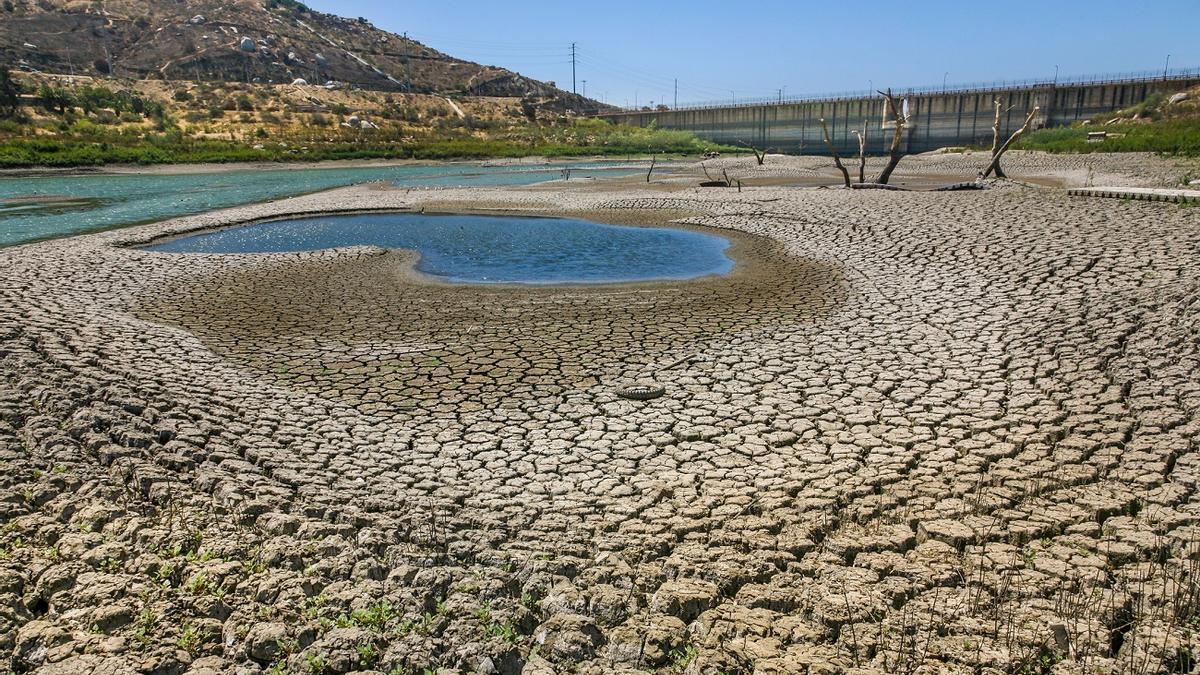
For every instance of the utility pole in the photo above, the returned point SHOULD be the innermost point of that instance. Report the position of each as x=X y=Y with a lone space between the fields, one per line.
x=677 y=93
x=407 y=71
x=1167 y=67
x=585 y=88
x=572 y=67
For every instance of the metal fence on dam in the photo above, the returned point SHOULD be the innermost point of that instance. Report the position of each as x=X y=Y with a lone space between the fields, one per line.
x=938 y=119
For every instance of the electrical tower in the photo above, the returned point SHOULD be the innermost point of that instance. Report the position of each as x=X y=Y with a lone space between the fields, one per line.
x=573 y=68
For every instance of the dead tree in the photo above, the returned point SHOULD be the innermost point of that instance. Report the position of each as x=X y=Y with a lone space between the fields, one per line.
x=760 y=156
x=833 y=151
x=994 y=165
x=862 y=153
x=900 y=119
x=1000 y=110
x=653 y=161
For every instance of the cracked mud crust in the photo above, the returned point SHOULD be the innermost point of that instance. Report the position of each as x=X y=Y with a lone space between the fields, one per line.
x=947 y=432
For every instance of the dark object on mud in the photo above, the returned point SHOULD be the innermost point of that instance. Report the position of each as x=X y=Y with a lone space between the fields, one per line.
x=968 y=185
x=876 y=186
x=641 y=392
x=714 y=183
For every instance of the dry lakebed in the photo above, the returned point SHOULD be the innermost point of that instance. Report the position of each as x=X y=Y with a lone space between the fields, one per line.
x=908 y=432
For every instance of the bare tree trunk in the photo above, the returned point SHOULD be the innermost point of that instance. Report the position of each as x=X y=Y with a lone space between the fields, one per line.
x=995 y=163
x=996 y=135
x=760 y=156
x=833 y=151
x=862 y=153
x=894 y=152
x=653 y=160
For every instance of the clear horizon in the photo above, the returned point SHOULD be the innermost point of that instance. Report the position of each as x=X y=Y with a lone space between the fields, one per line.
x=629 y=53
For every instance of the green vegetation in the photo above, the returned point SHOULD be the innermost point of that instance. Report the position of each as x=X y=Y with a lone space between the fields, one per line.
x=1175 y=137
x=93 y=125
x=1153 y=125
x=85 y=143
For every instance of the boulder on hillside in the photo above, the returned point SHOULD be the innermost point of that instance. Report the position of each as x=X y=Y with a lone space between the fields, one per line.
x=247 y=45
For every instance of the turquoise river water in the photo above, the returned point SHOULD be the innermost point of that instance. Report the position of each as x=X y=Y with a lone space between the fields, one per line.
x=49 y=206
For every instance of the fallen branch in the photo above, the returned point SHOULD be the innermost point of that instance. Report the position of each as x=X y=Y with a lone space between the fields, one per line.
x=995 y=163
x=877 y=186
x=833 y=151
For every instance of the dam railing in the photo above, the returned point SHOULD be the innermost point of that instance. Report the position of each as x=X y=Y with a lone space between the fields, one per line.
x=1134 y=77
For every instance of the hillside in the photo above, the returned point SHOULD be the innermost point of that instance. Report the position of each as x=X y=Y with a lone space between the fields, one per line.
x=1168 y=124
x=249 y=41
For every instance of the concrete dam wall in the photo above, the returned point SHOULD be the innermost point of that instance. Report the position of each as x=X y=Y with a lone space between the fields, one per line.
x=951 y=118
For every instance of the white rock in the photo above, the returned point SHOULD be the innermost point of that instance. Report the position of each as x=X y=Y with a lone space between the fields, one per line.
x=1179 y=98
x=299 y=80
x=197 y=20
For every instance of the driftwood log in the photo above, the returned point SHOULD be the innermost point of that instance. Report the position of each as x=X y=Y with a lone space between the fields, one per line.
x=833 y=151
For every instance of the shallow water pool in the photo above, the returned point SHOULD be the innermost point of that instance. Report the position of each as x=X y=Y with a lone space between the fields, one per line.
x=489 y=249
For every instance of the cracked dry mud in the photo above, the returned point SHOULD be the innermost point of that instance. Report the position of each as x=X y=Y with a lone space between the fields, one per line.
x=914 y=432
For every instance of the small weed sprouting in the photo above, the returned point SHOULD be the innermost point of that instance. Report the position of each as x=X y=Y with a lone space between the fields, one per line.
x=375 y=617
x=146 y=623
x=165 y=574
x=681 y=657
x=197 y=584
x=368 y=654
x=315 y=663
x=189 y=639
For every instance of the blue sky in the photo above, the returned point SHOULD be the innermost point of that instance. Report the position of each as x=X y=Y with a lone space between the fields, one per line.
x=634 y=50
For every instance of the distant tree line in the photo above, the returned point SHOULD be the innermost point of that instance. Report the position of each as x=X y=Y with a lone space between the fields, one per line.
x=10 y=94
x=60 y=100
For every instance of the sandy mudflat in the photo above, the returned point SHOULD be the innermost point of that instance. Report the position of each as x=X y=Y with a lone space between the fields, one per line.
x=951 y=431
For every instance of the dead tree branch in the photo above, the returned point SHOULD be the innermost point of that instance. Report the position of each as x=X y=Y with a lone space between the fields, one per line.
x=653 y=161
x=1000 y=110
x=833 y=151
x=994 y=165
x=862 y=153
x=901 y=121
x=760 y=156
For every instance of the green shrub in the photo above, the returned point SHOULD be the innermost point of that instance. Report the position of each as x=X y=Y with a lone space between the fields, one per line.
x=1173 y=137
